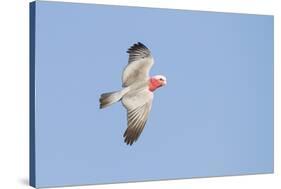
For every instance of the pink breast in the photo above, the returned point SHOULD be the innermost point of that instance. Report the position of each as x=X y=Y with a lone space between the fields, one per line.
x=153 y=84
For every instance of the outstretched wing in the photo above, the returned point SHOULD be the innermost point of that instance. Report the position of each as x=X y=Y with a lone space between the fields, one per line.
x=140 y=63
x=138 y=108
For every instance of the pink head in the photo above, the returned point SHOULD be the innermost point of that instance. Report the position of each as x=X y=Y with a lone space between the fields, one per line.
x=156 y=82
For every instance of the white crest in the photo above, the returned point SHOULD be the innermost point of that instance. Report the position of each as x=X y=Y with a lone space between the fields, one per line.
x=159 y=77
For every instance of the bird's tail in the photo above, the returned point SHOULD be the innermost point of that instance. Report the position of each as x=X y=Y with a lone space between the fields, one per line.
x=106 y=99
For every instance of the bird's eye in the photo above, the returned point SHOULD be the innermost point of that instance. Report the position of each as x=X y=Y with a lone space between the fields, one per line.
x=161 y=79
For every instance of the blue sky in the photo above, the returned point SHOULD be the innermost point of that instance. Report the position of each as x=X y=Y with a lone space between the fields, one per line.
x=214 y=118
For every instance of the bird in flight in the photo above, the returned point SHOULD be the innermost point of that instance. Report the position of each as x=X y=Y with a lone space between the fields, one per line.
x=137 y=90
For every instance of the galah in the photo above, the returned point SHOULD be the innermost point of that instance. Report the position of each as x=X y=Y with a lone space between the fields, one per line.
x=137 y=92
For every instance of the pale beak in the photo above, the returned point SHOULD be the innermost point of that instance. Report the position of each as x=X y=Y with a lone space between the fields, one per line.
x=164 y=83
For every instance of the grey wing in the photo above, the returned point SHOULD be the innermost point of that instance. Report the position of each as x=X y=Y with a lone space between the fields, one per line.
x=136 y=121
x=140 y=63
x=138 y=105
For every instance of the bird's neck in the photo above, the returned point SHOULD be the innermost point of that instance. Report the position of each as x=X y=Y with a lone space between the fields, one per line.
x=153 y=84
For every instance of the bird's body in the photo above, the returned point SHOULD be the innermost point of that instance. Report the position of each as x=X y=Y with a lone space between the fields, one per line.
x=137 y=93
